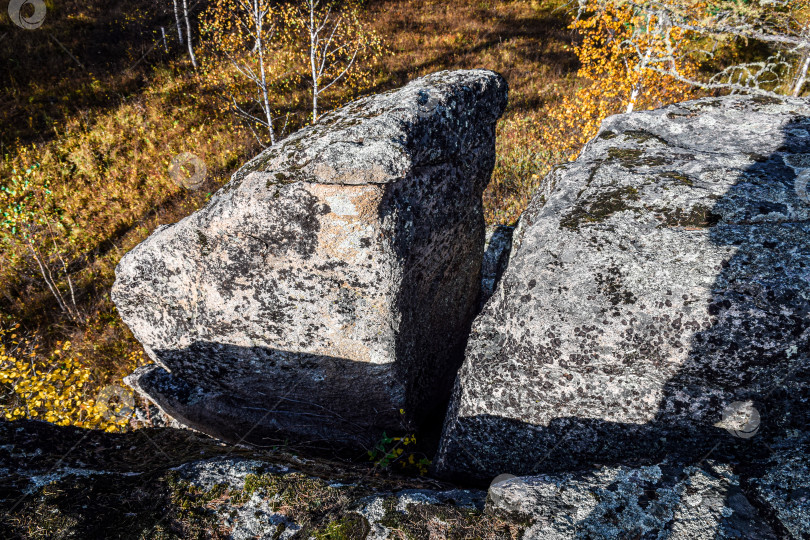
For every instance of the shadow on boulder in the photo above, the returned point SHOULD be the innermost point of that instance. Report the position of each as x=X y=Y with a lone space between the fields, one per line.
x=746 y=379
x=272 y=397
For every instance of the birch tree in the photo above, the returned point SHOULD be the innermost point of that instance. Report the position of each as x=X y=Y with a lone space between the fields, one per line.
x=782 y=26
x=621 y=52
x=334 y=38
x=184 y=20
x=246 y=33
x=188 y=35
x=279 y=48
x=177 y=22
x=649 y=53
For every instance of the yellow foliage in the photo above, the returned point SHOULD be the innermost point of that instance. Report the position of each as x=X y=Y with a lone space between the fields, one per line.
x=618 y=42
x=60 y=390
x=270 y=56
x=342 y=51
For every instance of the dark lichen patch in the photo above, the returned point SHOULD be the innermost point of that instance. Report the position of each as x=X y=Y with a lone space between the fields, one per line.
x=344 y=121
x=279 y=178
x=346 y=305
x=312 y=503
x=139 y=494
x=205 y=247
x=766 y=100
x=655 y=161
x=610 y=285
x=591 y=173
x=293 y=226
x=259 y=163
x=113 y=506
x=607 y=135
x=642 y=136
x=191 y=503
x=600 y=208
x=348 y=527
x=713 y=103
x=624 y=154
x=698 y=216
x=678 y=177
x=681 y=114
x=632 y=157
x=449 y=522
x=319 y=509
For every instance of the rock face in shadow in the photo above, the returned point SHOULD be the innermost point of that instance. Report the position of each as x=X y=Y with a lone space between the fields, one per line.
x=66 y=482
x=657 y=299
x=496 y=259
x=330 y=285
x=701 y=501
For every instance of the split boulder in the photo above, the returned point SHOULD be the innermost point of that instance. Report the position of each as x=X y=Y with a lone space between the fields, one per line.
x=324 y=295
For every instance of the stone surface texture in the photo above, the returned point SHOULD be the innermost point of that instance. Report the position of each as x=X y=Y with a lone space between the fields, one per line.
x=655 y=284
x=64 y=482
x=496 y=258
x=783 y=482
x=330 y=285
x=684 y=502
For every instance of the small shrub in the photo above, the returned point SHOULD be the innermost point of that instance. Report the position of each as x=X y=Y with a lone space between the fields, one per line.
x=60 y=389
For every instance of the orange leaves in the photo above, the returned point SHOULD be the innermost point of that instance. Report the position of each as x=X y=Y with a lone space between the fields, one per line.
x=620 y=50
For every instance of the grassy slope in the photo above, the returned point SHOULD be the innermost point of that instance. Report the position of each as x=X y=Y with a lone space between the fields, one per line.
x=527 y=42
x=78 y=116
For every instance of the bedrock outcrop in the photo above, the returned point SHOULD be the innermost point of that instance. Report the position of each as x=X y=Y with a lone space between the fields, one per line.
x=66 y=482
x=324 y=295
x=657 y=299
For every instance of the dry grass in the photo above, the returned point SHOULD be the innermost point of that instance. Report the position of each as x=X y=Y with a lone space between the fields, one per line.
x=526 y=41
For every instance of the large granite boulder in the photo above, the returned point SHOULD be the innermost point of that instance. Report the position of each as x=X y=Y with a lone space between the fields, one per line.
x=657 y=299
x=325 y=294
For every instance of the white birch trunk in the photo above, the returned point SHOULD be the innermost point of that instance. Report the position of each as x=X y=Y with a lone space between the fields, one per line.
x=188 y=35
x=177 y=20
x=802 y=77
x=313 y=51
x=258 y=20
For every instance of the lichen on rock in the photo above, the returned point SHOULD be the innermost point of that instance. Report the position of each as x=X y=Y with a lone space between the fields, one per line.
x=324 y=295
x=654 y=282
